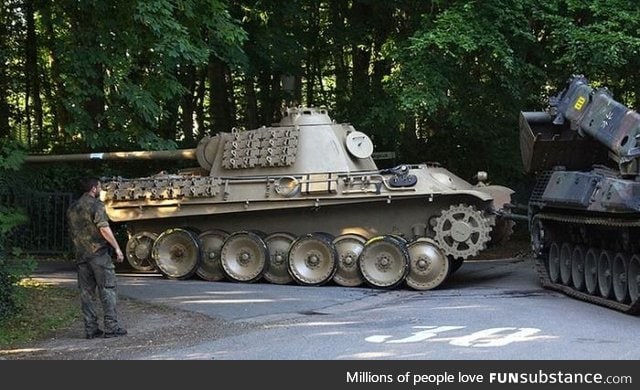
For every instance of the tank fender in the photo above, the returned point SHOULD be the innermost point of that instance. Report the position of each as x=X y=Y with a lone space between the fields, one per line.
x=501 y=195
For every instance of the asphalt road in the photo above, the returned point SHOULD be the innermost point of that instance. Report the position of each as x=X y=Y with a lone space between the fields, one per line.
x=488 y=310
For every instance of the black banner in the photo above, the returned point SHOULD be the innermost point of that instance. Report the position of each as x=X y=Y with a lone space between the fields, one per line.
x=359 y=374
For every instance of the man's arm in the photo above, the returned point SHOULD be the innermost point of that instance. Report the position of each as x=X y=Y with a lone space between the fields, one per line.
x=101 y=220
x=111 y=239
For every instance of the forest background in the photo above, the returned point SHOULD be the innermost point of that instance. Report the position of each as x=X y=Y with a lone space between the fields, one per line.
x=429 y=80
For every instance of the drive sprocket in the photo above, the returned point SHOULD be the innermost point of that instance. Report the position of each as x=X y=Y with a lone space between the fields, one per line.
x=463 y=231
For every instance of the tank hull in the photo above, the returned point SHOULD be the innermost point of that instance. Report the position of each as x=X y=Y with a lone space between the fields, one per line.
x=407 y=217
x=182 y=195
x=585 y=232
x=400 y=206
x=387 y=209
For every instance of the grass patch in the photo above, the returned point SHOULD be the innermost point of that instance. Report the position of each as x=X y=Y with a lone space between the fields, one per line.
x=44 y=309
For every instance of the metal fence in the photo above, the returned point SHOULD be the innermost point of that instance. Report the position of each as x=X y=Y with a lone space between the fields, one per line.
x=46 y=230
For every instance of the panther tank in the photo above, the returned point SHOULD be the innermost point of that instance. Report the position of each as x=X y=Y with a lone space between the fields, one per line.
x=584 y=210
x=301 y=201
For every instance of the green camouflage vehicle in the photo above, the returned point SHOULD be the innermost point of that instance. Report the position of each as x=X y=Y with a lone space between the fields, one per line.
x=584 y=211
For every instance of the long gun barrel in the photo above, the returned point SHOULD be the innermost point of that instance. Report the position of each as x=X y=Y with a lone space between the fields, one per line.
x=182 y=154
x=205 y=153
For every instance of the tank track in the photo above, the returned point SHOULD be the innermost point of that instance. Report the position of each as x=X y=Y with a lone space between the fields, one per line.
x=632 y=307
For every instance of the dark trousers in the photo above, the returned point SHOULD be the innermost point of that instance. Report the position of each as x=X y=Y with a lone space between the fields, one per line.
x=98 y=274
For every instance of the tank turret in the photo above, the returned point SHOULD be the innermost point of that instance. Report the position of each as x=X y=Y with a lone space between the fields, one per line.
x=303 y=201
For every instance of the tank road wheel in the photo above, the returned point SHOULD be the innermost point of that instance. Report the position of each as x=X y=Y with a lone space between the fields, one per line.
x=313 y=259
x=139 y=251
x=244 y=257
x=591 y=270
x=565 y=263
x=384 y=261
x=428 y=266
x=349 y=247
x=177 y=253
x=619 y=273
x=211 y=242
x=537 y=236
x=577 y=267
x=633 y=275
x=278 y=268
x=462 y=231
x=605 y=265
x=554 y=262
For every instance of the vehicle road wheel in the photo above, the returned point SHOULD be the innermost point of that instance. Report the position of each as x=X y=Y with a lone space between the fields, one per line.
x=428 y=266
x=177 y=253
x=633 y=274
x=349 y=247
x=313 y=259
x=384 y=261
x=139 y=251
x=554 y=262
x=620 y=289
x=565 y=263
x=211 y=242
x=577 y=267
x=591 y=270
x=278 y=267
x=605 y=265
x=244 y=256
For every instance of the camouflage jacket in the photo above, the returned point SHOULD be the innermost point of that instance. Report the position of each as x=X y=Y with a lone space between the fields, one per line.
x=85 y=217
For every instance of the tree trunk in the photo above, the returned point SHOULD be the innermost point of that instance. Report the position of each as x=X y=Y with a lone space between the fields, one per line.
x=298 y=90
x=338 y=12
x=361 y=49
x=187 y=104
x=201 y=91
x=54 y=90
x=5 y=131
x=323 y=94
x=231 y=98
x=310 y=76
x=251 y=114
x=382 y=30
x=85 y=36
x=95 y=104
x=219 y=99
x=276 y=99
x=264 y=97
x=32 y=79
x=29 y=65
x=168 y=125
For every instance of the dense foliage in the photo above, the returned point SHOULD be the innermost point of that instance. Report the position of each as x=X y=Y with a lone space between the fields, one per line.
x=10 y=272
x=431 y=80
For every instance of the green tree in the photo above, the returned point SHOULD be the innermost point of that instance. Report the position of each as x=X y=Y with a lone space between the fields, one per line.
x=11 y=157
x=431 y=80
x=117 y=72
x=600 y=39
x=463 y=77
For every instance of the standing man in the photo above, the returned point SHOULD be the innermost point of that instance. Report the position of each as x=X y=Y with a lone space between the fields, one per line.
x=92 y=237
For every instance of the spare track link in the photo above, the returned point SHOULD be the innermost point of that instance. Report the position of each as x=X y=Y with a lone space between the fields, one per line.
x=630 y=308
